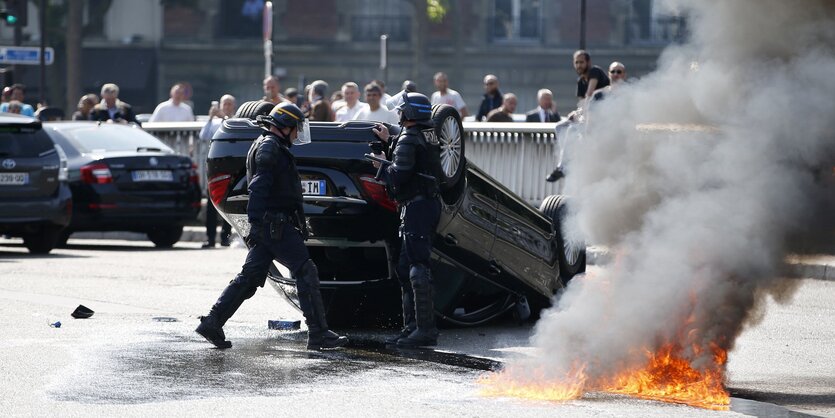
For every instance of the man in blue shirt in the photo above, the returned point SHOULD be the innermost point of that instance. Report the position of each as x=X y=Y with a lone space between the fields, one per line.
x=18 y=94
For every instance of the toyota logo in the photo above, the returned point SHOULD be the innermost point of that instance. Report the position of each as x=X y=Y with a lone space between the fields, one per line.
x=9 y=164
x=153 y=161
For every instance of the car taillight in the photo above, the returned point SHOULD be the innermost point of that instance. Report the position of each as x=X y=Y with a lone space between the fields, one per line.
x=218 y=186
x=194 y=178
x=376 y=190
x=96 y=173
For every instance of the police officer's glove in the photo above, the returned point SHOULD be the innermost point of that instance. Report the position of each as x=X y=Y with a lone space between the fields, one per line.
x=256 y=234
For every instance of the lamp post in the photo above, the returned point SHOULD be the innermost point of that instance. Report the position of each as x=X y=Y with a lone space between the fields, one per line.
x=582 y=24
x=267 y=24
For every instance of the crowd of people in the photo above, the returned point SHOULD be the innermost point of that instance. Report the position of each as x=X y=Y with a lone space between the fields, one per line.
x=345 y=104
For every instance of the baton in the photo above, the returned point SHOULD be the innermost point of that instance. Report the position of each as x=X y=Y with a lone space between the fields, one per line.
x=386 y=163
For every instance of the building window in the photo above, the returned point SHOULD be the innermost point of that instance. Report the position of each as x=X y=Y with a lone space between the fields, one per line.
x=240 y=19
x=650 y=24
x=516 y=20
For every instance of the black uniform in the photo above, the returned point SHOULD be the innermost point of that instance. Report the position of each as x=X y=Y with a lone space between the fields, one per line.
x=415 y=151
x=276 y=214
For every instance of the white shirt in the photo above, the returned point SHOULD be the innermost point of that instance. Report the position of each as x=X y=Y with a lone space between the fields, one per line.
x=345 y=113
x=167 y=111
x=209 y=129
x=452 y=98
x=380 y=115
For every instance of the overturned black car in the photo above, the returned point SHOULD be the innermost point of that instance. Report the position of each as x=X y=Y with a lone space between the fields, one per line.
x=493 y=252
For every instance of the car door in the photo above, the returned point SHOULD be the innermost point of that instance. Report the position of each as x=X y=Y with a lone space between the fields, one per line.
x=467 y=237
x=523 y=247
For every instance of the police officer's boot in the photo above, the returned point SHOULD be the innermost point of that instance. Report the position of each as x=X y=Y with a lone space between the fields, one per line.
x=211 y=325
x=409 y=324
x=426 y=333
x=310 y=301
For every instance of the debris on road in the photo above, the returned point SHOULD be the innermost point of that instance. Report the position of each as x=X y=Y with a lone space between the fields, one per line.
x=82 y=312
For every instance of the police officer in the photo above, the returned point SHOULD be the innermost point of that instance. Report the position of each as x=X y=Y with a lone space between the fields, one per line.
x=414 y=152
x=278 y=231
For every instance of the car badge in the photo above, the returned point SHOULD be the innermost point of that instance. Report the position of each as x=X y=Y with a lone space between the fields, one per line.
x=153 y=161
x=9 y=164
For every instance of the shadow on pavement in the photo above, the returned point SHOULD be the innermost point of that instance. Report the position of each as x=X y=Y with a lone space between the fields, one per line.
x=123 y=247
x=15 y=256
x=794 y=399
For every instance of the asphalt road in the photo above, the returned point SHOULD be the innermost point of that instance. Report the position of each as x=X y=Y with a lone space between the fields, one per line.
x=130 y=359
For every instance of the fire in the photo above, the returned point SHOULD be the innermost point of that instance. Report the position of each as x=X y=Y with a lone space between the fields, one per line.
x=667 y=376
x=536 y=386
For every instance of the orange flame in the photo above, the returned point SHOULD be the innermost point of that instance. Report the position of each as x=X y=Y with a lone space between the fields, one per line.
x=667 y=376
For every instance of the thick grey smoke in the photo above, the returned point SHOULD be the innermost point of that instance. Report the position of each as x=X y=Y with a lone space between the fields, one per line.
x=698 y=212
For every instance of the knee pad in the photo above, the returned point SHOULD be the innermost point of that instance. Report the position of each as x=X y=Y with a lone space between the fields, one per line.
x=248 y=280
x=307 y=277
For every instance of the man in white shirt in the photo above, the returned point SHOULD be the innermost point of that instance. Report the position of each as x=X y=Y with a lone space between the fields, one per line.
x=375 y=112
x=173 y=109
x=351 y=95
x=217 y=114
x=446 y=95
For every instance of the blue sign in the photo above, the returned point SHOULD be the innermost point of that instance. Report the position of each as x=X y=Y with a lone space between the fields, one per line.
x=26 y=55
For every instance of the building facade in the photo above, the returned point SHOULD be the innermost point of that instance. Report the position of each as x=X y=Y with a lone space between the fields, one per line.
x=216 y=45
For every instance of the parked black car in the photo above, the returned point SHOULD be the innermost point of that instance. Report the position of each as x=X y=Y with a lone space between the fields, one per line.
x=35 y=200
x=124 y=179
x=492 y=251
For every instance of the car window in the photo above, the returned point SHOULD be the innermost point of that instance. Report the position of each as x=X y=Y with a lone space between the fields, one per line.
x=112 y=138
x=58 y=138
x=18 y=141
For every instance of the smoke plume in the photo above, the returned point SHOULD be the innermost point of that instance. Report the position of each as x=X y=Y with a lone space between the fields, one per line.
x=697 y=177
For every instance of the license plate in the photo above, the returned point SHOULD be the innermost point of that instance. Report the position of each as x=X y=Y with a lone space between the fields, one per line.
x=314 y=187
x=152 y=175
x=14 y=179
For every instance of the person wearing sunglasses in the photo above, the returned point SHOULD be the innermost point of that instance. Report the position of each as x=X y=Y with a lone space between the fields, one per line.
x=617 y=72
x=492 y=97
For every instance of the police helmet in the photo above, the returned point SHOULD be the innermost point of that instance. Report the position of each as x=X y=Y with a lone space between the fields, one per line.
x=288 y=115
x=415 y=106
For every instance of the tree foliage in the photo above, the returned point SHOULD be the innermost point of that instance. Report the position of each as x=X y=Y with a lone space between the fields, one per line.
x=436 y=10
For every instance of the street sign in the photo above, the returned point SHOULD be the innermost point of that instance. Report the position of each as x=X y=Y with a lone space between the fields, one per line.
x=25 y=55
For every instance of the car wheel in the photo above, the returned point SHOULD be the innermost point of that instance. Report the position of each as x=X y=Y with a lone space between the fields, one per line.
x=250 y=110
x=572 y=255
x=450 y=133
x=165 y=236
x=42 y=242
x=63 y=237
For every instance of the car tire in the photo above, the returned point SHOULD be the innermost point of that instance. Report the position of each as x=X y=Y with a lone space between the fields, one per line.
x=250 y=110
x=572 y=258
x=63 y=237
x=450 y=133
x=165 y=236
x=42 y=242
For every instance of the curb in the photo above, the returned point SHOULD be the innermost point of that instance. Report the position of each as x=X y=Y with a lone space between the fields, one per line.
x=190 y=234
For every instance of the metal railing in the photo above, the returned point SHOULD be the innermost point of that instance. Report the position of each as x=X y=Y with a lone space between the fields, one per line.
x=184 y=139
x=518 y=155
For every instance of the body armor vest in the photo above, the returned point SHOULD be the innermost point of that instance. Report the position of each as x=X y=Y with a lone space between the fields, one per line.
x=286 y=192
